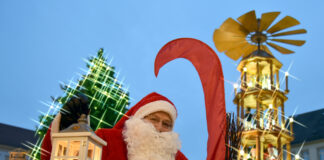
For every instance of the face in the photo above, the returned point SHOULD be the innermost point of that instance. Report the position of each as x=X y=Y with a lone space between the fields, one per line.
x=160 y=120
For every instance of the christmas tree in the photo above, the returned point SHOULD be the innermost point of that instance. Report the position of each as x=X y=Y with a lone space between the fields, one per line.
x=107 y=99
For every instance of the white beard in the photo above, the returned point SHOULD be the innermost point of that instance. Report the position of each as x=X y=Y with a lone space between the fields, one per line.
x=144 y=142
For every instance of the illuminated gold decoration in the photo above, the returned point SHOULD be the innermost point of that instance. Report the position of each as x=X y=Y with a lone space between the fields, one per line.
x=249 y=33
x=18 y=154
x=259 y=98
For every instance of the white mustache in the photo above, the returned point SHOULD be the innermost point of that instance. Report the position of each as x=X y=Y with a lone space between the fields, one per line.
x=144 y=142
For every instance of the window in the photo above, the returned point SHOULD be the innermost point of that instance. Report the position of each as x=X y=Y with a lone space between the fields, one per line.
x=4 y=155
x=305 y=155
x=321 y=153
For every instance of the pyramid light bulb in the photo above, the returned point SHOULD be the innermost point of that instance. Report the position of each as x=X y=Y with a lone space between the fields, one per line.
x=286 y=74
x=297 y=157
x=291 y=120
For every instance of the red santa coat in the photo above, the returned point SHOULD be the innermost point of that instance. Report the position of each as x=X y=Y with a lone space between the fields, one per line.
x=116 y=147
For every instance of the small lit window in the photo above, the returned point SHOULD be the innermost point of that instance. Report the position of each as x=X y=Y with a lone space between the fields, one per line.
x=305 y=155
x=321 y=153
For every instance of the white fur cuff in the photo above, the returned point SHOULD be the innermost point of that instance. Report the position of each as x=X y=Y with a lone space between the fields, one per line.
x=156 y=106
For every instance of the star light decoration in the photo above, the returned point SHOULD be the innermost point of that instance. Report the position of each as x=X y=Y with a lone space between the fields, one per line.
x=105 y=88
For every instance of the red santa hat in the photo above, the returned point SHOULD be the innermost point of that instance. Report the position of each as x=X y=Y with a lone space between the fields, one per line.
x=151 y=103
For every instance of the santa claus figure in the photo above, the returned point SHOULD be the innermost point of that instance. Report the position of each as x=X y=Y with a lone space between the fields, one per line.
x=143 y=133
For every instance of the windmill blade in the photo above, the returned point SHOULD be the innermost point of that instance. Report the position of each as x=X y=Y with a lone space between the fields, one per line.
x=266 y=49
x=249 y=49
x=237 y=51
x=234 y=53
x=225 y=40
x=288 y=41
x=243 y=49
x=230 y=25
x=280 y=49
x=220 y=35
x=249 y=21
x=267 y=19
x=298 y=31
x=224 y=46
x=284 y=23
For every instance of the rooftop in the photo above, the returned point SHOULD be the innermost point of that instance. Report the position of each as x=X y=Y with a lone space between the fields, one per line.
x=314 y=122
x=13 y=136
x=259 y=53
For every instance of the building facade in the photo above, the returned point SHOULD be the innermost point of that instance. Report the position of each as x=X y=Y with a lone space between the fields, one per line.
x=309 y=139
x=12 y=137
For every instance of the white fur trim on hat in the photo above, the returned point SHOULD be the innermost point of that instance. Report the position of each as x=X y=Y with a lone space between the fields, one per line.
x=156 y=106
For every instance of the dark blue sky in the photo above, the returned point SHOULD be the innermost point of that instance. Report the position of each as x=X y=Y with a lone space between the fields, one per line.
x=44 y=42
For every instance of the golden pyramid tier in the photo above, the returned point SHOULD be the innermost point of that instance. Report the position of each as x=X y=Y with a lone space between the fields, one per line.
x=267 y=137
x=264 y=97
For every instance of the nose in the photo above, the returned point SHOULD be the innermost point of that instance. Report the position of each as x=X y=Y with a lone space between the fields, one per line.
x=159 y=127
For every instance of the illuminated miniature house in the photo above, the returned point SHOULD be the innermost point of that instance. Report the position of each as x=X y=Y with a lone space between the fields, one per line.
x=77 y=142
